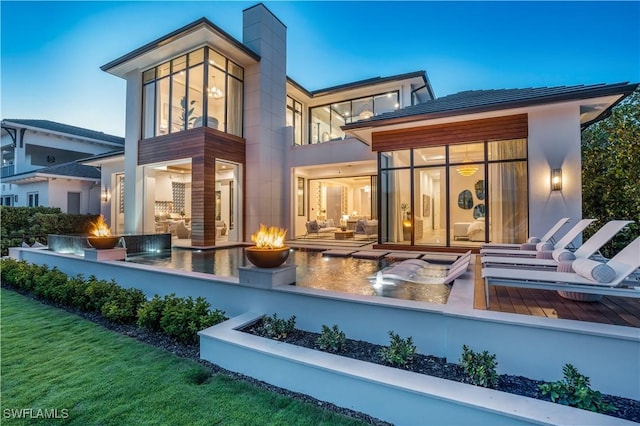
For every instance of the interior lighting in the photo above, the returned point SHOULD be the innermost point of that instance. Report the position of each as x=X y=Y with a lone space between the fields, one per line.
x=466 y=169
x=366 y=114
x=214 y=91
x=556 y=179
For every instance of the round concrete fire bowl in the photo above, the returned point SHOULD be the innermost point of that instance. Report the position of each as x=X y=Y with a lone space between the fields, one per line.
x=103 y=243
x=267 y=257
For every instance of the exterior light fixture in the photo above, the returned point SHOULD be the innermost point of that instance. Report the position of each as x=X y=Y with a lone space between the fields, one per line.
x=105 y=195
x=556 y=179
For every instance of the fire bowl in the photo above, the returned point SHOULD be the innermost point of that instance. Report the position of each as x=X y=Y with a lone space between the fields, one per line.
x=103 y=243
x=267 y=258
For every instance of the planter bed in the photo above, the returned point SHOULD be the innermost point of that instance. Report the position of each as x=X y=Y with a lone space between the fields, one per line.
x=391 y=394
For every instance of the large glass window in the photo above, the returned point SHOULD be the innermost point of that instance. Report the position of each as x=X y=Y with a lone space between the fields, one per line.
x=326 y=120
x=183 y=94
x=463 y=194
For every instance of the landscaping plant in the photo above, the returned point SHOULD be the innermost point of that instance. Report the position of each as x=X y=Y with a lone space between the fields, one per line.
x=122 y=306
x=332 y=339
x=276 y=328
x=574 y=390
x=480 y=368
x=400 y=351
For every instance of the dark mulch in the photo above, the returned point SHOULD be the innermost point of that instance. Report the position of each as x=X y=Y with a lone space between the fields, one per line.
x=628 y=409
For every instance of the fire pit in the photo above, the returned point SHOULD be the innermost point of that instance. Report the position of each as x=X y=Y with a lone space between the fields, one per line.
x=101 y=238
x=269 y=251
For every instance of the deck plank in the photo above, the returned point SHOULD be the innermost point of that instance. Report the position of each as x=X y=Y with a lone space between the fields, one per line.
x=624 y=311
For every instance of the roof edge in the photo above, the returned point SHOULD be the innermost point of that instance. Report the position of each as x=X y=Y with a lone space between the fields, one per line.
x=193 y=26
x=624 y=89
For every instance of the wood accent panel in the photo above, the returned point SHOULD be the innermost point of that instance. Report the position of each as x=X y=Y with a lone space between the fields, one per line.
x=508 y=127
x=203 y=146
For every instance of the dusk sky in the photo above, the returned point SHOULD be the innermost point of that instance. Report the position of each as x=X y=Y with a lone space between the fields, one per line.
x=51 y=52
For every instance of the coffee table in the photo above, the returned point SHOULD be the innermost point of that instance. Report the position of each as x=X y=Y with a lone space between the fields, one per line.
x=343 y=235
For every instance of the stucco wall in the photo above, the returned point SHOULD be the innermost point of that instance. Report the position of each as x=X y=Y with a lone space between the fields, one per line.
x=554 y=142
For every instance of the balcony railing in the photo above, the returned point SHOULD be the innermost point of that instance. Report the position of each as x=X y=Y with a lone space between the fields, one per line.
x=7 y=170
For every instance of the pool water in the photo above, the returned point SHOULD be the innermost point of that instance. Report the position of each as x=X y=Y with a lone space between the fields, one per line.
x=341 y=274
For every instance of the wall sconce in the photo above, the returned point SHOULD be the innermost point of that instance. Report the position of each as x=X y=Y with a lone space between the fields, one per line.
x=556 y=179
x=105 y=195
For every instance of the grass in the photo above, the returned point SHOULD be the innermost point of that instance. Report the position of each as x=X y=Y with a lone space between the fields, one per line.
x=51 y=359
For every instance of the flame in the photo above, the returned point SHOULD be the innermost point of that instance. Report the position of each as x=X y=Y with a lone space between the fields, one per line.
x=269 y=238
x=100 y=228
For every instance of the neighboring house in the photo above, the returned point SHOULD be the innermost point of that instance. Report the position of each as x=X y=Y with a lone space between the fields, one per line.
x=40 y=168
x=216 y=130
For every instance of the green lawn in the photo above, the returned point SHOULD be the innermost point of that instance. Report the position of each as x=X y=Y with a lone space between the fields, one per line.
x=51 y=359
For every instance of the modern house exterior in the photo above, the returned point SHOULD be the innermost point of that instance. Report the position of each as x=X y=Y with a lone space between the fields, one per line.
x=40 y=165
x=217 y=133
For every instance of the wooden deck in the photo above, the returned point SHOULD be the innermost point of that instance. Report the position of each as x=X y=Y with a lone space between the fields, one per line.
x=544 y=303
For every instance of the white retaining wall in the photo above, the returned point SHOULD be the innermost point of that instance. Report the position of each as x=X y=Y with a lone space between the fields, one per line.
x=525 y=345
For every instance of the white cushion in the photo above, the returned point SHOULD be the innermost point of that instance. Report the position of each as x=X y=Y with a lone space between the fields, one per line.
x=593 y=270
x=533 y=240
x=527 y=246
x=563 y=255
x=544 y=246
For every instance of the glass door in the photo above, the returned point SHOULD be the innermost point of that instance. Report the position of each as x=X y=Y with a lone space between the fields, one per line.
x=228 y=202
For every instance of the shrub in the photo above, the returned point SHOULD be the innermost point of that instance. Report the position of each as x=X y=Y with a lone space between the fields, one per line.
x=96 y=294
x=574 y=390
x=150 y=313
x=480 y=368
x=182 y=318
x=49 y=283
x=332 y=339
x=400 y=351
x=123 y=304
x=276 y=328
x=20 y=275
x=72 y=293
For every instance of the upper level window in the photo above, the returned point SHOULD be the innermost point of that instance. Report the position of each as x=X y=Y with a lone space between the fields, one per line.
x=326 y=120
x=201 y=88
x=294 y=119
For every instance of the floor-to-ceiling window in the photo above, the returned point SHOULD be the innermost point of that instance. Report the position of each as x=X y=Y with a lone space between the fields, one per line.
x=455 y=195
x=326 y=120
x=201 y=88
x=342 y=200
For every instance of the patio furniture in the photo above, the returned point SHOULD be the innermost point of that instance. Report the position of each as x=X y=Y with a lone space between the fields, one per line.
x=368 y=228
x=320 y=227
x=422 y=272
x=182 y=231
x=549 y=236
x=562 y=243
x=586 y=250
x=591 y=277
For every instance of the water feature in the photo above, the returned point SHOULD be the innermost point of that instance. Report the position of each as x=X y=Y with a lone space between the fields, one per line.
x=349 y=275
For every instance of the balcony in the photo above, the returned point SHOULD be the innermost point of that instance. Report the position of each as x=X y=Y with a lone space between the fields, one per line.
x=7 y=170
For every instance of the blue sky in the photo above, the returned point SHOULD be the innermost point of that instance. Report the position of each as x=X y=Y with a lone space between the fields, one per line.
x=51 y=52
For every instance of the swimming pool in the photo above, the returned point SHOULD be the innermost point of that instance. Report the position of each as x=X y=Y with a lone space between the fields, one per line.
x=341 y=274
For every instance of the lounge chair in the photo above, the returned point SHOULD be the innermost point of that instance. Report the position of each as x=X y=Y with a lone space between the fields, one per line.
x=549 y=236
x=422 y=272
x=624 y=264
x=586 y=250
x=562 y=243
